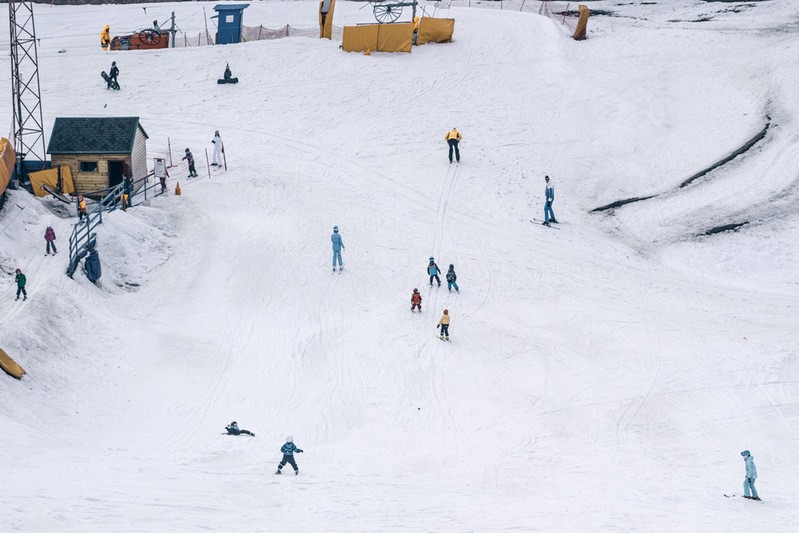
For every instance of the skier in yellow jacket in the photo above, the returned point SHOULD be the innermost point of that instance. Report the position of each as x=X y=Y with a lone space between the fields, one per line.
x=105 y=38
x=453 y=138
x=443 y=323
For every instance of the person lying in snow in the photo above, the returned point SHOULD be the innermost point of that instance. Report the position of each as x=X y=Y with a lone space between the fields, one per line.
x=233 y=429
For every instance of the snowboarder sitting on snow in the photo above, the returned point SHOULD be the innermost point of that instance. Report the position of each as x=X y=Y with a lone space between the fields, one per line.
x=416 y=300
x=112 y=76
x=433 y=271
x=443 y=323
x=233 y=429
x=227 y=74
x=49 y=236
x=451 y=277
x=21 y=281
x=453 y=138
x=190 y=160
x=338 y=245
x=751 y=476
x=288 y=450
x=549 y=192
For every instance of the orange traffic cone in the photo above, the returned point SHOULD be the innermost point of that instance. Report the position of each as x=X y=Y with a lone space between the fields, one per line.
x=177 y=189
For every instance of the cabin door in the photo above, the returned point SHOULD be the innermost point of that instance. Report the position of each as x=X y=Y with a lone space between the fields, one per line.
x=116 y=169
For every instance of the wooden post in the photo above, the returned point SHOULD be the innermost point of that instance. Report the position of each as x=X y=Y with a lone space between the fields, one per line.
x=169 y=145
x=224 y=156
x=207 y=163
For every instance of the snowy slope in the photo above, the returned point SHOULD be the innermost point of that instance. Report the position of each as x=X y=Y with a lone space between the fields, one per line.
x=601 y=376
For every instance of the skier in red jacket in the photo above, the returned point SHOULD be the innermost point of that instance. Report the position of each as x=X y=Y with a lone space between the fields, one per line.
x=416 y=300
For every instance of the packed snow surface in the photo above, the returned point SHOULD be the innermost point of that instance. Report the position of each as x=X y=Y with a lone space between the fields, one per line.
x=603 y=375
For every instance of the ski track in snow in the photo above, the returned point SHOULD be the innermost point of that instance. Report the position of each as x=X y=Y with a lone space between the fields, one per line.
x=600 y=377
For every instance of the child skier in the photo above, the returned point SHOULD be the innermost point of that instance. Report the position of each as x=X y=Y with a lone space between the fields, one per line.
x=49 y=236
x=433 y=271
x=751 y=476
x=233 y=429
x=416 y=300
x=338 y=245
x=288 y=450
x=451 y=277
x=190 y=160
x=21 y=281
x=443 y=323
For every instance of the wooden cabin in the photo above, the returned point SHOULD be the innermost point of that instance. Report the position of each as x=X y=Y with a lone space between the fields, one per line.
x=100 y=151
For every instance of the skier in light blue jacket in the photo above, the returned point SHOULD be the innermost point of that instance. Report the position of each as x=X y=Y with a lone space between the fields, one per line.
x=549 y=215
x=338 y=246
x=751 y=476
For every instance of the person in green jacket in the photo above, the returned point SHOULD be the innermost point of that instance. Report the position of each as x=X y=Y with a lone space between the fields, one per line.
x=20 y=279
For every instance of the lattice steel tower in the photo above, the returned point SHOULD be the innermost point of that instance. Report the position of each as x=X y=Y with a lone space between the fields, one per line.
x=26 y=94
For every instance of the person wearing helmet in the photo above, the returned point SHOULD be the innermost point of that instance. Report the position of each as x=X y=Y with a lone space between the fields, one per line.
x=21 y=281
x=233 y=429
x=443 y=323
x=433 y=271
x=416 y=301
x=289 y=449
x=218 y=149
x=338 y=246
x=451 y=277
x=453 y=137
x=113 y=83
x=190 y=160
x=105 y=38
x=751 y=476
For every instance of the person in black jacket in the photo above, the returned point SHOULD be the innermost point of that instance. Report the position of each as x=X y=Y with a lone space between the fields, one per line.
x=113 y=83
x=233 y=429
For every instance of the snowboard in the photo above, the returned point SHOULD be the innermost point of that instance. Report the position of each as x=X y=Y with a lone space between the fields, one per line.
x=114 y=85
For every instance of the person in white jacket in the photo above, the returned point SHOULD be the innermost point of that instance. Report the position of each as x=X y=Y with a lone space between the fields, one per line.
x=218 y=149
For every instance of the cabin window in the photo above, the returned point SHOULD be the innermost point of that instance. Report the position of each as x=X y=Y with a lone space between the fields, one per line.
x=88 y=166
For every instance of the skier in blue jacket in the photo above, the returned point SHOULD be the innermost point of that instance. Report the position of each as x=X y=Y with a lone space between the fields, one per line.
x=433 y=271
x=288 y=450
x=751 y=476
x=549 y=192
x=338 y=246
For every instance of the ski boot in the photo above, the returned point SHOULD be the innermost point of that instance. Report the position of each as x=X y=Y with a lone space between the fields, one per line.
x=278 y=472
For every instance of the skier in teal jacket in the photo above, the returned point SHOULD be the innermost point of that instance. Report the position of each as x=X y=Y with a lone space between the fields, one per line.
x=338 y=245
x=751 y=476
x=289 y=449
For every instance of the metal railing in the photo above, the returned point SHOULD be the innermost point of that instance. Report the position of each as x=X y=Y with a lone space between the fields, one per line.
x=83 y=238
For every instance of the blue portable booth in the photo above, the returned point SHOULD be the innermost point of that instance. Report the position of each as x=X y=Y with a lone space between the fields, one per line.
x=228 y=28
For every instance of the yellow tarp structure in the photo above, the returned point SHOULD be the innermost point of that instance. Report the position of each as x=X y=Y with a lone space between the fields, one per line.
x=10 y=366
x=395 y=37
x=326 y=25
x=8 y=159
x=359 y=38
x=378 y=38
x=50 y=177
x=582 y=23
x=435 y=30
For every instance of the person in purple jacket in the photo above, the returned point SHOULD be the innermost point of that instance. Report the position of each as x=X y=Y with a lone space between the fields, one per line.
x=49 y=236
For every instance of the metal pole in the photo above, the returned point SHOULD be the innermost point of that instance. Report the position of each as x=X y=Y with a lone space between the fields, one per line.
x=207 y=163
x=173 y=31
